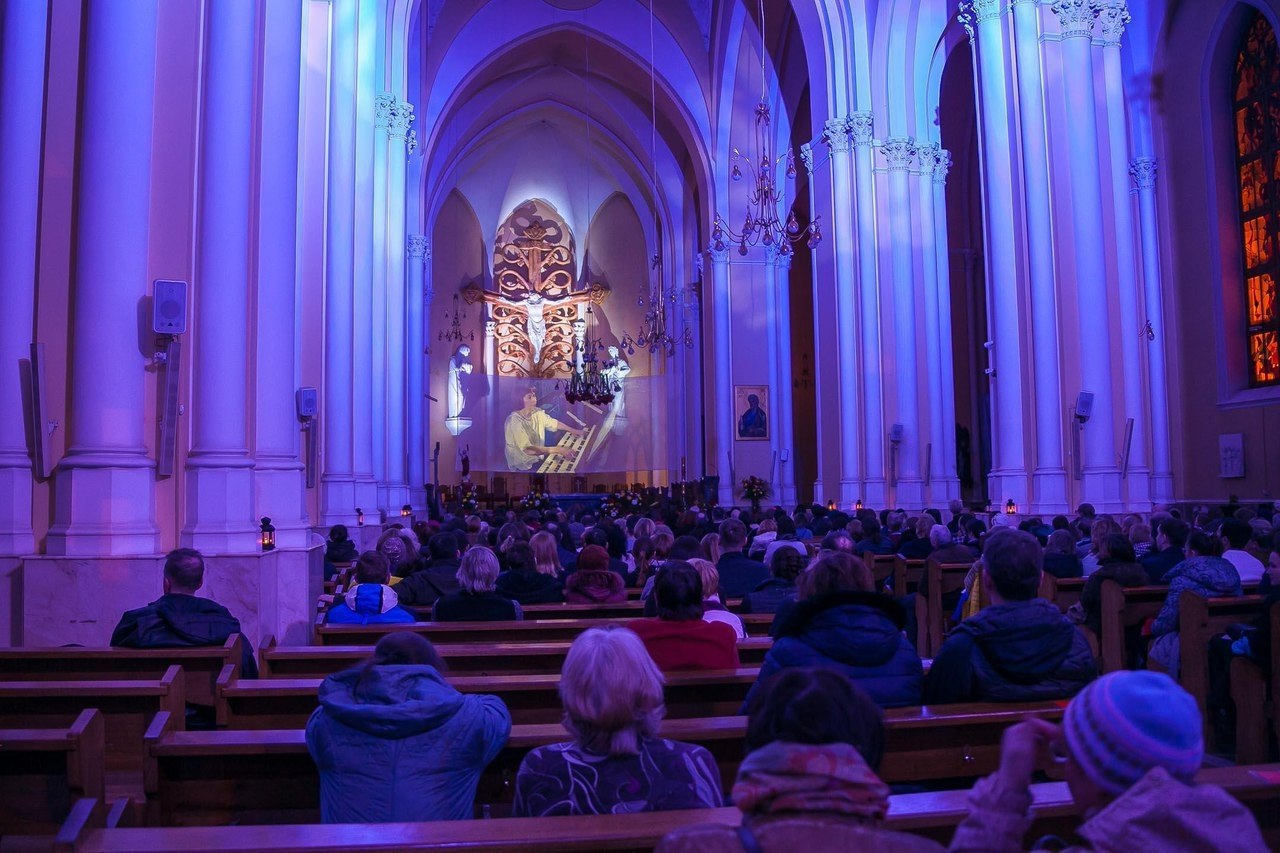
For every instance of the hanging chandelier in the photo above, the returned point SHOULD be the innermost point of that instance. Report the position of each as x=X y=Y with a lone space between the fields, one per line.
x=762 y=225
x=455 y=333
x=587 y=382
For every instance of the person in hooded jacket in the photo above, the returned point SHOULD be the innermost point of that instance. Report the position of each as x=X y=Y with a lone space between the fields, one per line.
x=370 y=600
x=438 y=577
x=841 y=623
x=523 y=582
x=1205 y=573
x=181 y=618
x=1020 y=648
x=393 y=741
x=594 y=582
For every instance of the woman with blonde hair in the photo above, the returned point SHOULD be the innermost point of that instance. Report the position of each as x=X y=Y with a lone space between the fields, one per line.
x=711 y=547
x=476 y=601
x=713 y=609
x=546 y=556
x=616 y=763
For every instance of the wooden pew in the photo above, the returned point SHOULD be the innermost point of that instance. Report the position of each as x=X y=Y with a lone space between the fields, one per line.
x=460 y=658
x=906 y=575
x=1257 y=720
x=619 y=610
x=267 y=776
x=933 y=815
x=283 y=703
x=126 y=708
x=543 y=630
x=1199 y=620
x=881 y=566
x=43 y=772
x=1122 y=609
x=201 y=665
x=941 y=579
x=1063 y=592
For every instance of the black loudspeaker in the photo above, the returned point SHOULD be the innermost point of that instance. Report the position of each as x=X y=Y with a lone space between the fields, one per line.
x=169 y=307
x=307 y=403
x=1084 y=406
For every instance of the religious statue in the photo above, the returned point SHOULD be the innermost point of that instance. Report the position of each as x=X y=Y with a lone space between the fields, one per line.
x=613 y=372
x=534 y=304
x=459 y=365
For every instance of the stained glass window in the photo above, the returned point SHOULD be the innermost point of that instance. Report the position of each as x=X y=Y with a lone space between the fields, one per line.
x=1257 y=128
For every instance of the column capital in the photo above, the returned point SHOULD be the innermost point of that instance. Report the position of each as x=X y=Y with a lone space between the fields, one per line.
x=898 y=152
x=927 y=157
x=861 y=127
x=964 y=15
x=835 y=133
x=1143 y=170
x=417 y=246
x=383 y=106
x=490 y=329
x=984 y=9
x=719 y=253
x=400 y=119
x=1113 y=16
x=806 y=156
x=943 y=166
x=1075 y=17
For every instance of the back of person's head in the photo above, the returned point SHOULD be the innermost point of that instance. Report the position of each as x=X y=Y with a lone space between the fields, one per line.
x=1060 y=542
x=1118 y=548
x=871 y=527
x=406 y=648
x=839 y=541
x=615 y=539
x=593 y=558
x=396 y=548
x=678 y=592
x=1176 y=531
x=338 y=533
x=443 y=546
x=512 y=532
x=815 y=706
x=372 y=567
x=1140 y=533
x=611 y=691
x=546 y=556
x=644 y=528
x=184 y=570
x=975 y=528
x=1127 y=723
x=1236 y=532
x=1086 y=511
x=786 y=527
x=596 y=536
x=519 y=557
x=711 y=547
x=939 y=536
x=1012 y=559
x=1204 y=544
x=685 y=548
x=1061 y=522
x=733 y=535
x=787 y=564
x=708 y=575
x=923 y=526
x=834 y=571
x=478 y=571
x=662 y=542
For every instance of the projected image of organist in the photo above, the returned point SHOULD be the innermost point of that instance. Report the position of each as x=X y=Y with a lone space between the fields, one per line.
x=526 y=435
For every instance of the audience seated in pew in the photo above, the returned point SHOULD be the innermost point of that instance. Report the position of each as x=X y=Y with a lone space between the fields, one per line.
x=524 y=582
x=842 y=623
x=181 y=618
x=338 y=548
x=678 y=638
x=739 y=574
x=713 y=609
x=1060 y=557
x=1116 y=562
x=1236 y=536
x=1250 y=641
x=1204 y=573
x=393 y=741
x=476 y=601
x=594 y=582
x=613 y=702
x=785 y=565
x=371 y=600
x=437 y=578
x=1171 y=538
x=1020 y=648
x=1131 y=745
x=814 y=741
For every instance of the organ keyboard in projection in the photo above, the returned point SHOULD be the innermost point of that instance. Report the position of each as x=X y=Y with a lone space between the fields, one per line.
x=581 y=447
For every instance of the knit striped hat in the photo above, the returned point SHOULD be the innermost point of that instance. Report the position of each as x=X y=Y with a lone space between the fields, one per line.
x=1126 y=723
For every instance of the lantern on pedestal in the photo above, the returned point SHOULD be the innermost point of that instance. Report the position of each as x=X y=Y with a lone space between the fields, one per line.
x=268 y=536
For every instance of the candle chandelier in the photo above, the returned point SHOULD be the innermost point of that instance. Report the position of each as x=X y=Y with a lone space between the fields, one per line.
x=455 y=333
x=762 y=225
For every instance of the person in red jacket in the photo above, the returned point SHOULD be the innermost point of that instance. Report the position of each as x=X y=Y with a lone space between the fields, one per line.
x=678 y=638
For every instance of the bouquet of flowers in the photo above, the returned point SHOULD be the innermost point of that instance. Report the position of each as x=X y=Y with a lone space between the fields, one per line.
x=621 y=503
x=540 y=501
x=468 y=499
x=754 y=489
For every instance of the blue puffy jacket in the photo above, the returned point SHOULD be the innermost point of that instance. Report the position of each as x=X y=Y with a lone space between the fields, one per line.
x=368 y=604
x=397 y=743
x=856 y=633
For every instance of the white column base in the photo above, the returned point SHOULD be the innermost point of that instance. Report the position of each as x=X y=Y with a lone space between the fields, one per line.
x=338 y=499
x=942 y=491
x=1049 y=494
x=219 y=510
x=726 y=497
x=16 y=531
x=909 y=494
x=366 y=497
x=820 y=493
x=1102 y=488
x=386 y=502
x=1003 y=485
x=1162 y=488
x=397 y=497
x=850 y=491
x=10 y=602
x=280 y=489
x=1137 y=490
x=875 y=494
x=104 y=509
x=418 y=499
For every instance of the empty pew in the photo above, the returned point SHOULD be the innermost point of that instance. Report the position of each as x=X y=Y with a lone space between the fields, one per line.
x=201 y=666
x=933 y=815
x=126 y=708
x=540 y=630
x=906 y=575
x=1199 y=620
x=461 y=658
x=282 y=703
x=44 y=771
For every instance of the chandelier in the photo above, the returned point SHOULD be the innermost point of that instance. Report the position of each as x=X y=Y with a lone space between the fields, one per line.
x=455 y=332
x=761 y=224
x=587 y=383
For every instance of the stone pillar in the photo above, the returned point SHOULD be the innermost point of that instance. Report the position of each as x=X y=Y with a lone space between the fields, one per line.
x=942 y=260
x=824 y=442
x=836 y=135
x=219 y=469
x=363 y=316
x=1101 y=485
x=397 y=482
x=338 y=498
x=384 y=107
x=104 y=501
x=1144 y=170
x=724 y=425
x=899 y=152
x=417 y=299
x=1113 y=15
x=1049 y=477
x=1008 y=476
x=279 y=478
x=874 y=492
x=927 y=160
x=23 y=43
x=783 y=414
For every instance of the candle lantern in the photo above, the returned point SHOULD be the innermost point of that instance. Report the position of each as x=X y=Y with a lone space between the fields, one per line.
x=1010 y=507
x=359 y=516
x=268 y=537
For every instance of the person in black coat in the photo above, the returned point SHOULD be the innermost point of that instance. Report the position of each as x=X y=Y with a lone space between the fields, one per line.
x=338 y=549
x=476 y=601
x=1171 y=538
x=1019 y=649
x=786 y=566
x=437 y=577
x=739 y=574
x=1060 y=557
x=524 y=583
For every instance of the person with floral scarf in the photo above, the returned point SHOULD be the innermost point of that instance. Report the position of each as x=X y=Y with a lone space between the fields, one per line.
x=808 y=782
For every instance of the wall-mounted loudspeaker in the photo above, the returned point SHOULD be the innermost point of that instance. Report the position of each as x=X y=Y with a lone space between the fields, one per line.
x=307 y=402
x=895 y=433
x=169 y=307
x=1084 y=406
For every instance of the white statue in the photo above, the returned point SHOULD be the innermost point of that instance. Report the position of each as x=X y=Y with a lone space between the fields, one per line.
x=579 y=345
x=534 y=304
x=458 y=365
x=614 y=371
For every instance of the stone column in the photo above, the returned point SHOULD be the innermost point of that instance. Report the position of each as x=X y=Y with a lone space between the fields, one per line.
x=1008 y=476
x=783 y=414
x=947 y=405
x=1113 y=16
x=396 y=479
x=279 y=475
x=219 y=469
x=1049 y=477
x=836 y=135
x=416 y=300
x=23 y=43
x=338 y=498
x=363 y=316
x=873 y=493
x=724 y=425
x=1101 y=485
x=927 y=160
x=824 y=442
x=1144 y=170
x=899 y=152
x=384 y=107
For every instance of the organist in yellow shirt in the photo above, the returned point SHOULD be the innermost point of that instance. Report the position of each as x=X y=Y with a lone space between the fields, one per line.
x=525 y=433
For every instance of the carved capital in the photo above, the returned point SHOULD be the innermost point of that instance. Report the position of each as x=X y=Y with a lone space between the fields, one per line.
x=927 y=157
x=835 y=133
x=806 y=156
x=401 y=118
x=383 y=106
x=898 y=152
x=416 y=246
x=965 y=15
x=984 y=9
x=943 y=167
x=490 y=328
x=1075 y=17
x=719 y=254
x=1113 y=17
x=861 y=127
x=1143 y=171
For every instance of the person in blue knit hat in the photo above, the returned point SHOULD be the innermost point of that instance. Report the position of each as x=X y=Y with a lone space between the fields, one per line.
x=1130 y=745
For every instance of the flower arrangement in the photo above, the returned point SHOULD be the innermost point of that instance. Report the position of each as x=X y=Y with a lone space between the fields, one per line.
x=540 y=501
x=621 y=503
x=755 y=489
x=468 y=499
